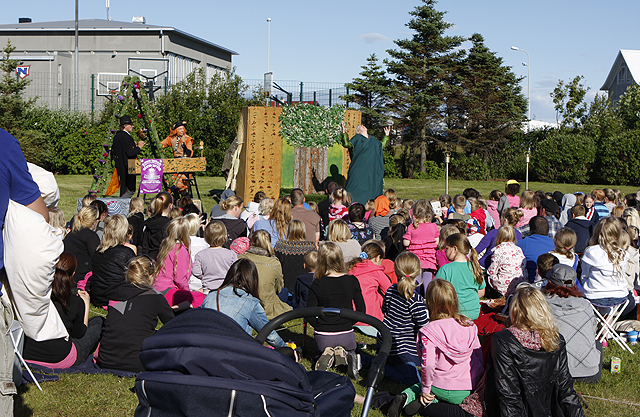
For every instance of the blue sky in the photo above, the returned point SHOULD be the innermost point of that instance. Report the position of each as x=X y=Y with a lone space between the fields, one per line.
x=330 y=40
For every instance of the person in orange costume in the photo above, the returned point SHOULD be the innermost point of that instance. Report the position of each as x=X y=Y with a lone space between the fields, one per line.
x=182 y=146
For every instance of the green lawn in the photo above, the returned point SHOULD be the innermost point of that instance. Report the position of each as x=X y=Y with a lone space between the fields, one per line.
x=93 y=395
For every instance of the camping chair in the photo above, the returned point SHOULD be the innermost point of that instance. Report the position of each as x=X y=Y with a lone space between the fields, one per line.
x=17 y=339
x=610 y=316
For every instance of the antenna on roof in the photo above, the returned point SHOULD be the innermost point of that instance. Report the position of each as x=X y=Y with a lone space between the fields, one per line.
x=108 y=10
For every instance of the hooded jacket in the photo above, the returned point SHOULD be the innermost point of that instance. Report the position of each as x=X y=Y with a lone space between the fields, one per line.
x=584 y=229
x=599 y=277
x=568 y=201
x=153 y=232
x=374 y=284
x=451 y=355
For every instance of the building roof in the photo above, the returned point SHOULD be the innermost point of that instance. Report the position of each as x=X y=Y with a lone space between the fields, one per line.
x=102 y=25
x=629 y=57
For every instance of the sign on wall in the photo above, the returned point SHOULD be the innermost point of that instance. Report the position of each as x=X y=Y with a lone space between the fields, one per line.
x=23 y=71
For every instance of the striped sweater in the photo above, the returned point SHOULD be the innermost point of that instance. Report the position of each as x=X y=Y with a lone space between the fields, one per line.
x=404 y=319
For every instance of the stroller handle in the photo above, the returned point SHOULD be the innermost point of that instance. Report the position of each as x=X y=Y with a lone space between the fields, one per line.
x=376 y=371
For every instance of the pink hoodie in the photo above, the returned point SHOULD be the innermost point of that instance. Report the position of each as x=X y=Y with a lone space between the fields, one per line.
x=451 y=355
x=166 y=278
x=373 y=281
x=492 y=208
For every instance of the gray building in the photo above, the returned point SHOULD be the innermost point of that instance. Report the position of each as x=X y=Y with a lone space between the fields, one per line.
x=624 y=73
x=108 y=50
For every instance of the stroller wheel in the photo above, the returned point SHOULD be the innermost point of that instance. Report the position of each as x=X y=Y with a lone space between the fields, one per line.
x=326 y=359
x=353 y=365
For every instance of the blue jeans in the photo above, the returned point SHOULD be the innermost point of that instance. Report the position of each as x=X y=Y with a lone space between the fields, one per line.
x=7 y=357
x=402 y=371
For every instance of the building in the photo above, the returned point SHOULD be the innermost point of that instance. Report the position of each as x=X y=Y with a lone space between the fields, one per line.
x=624 y=72
x=107 y=51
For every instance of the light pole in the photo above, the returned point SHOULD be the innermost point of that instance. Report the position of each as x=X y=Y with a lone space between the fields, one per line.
x=515 y=48
x=268 y=40
x=527 y=157
x=447 y=159
x=75 y=89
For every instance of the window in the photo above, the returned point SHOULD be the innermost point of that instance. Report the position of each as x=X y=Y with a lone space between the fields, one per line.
x=212 y=70
x=180 y=67
x=622 y=75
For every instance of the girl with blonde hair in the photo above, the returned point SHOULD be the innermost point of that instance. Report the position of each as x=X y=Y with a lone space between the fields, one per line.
x=136 y=219
x=565 y=241
x=56 y=220
x=333 y=288
x=236 y=227
x=631 y=216
x=211 y=265
x=510 y=217
x=404 y=314
x=508 y=263
x=421 y=238
x=110 y=260
x=340 y=201
x=528 y=207
x=279 y=219
x=464 y=273
x=339 y=233
x=155 y=227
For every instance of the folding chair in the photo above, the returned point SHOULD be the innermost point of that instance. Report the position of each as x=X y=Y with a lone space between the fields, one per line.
x=17 y=338
x=607 y=320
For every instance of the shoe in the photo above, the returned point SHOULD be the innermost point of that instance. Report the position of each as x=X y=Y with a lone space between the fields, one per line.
x=397 y=405
x=353 y=365
x=340 y=356
x=326 y=359
x=413 y=407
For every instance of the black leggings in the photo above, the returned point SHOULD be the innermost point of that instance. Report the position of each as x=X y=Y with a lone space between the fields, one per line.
x=443 y=409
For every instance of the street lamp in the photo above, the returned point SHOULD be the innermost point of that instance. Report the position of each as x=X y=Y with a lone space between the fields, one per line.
x=527 y=157
x=515 y=48
x=447 y=159
x=268 y=40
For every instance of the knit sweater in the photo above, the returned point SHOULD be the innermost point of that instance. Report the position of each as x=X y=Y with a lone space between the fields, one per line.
x=291 y=256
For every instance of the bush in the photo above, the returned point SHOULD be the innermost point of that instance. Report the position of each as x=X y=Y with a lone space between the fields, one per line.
x=38 y=149
x=509 y=160
x=467 y=168
x=619 y=159
x=391 y=169
x=81 y=150
x=564 y=157
x=432 y=172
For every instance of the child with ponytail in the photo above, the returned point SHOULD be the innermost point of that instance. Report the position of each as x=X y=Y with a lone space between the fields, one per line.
x=464 y=273
x=421 y=238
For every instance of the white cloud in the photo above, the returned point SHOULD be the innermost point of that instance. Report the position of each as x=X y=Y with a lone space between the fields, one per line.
x=374 y=37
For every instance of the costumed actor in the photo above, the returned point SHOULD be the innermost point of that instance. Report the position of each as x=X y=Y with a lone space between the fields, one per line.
x=364 y=181
x=123 y=149
x=182 y=146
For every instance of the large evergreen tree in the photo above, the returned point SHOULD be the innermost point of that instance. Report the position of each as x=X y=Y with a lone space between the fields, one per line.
x=13 y=106
x=487 y=104
x=424 y=67
x=371 y=92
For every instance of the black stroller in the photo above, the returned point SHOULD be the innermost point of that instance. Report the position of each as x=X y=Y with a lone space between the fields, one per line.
x=202 y=363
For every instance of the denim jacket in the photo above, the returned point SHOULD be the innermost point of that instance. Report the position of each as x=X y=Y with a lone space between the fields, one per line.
x=245 y=309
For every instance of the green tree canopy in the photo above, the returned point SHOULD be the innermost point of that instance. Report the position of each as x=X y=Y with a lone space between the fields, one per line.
x=568 y=100
x=13 y=107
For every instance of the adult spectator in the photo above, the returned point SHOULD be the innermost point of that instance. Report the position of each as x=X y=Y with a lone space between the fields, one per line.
x=310 y=219
x=279 y=220
x=582 y=226
x=536 y=244
x=16 y=184
x=123 y=149
x=291 y=252
x=236 y=227
x=216 y=211
x=323 y=206
x=548 y=210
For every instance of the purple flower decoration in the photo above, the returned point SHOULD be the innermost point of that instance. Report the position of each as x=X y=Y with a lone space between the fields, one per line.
x=102 y=161
x=120 y=98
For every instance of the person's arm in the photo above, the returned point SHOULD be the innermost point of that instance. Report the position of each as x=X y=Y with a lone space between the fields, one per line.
x=506 y=379
x=39 y=207
x=258 y=319
x=419 y=313
x=385 y=139
x=87 y=299
x=481 y=293
x=81 y=320
x=197 y=267
x=484 y=243
x=183 y=269
x=344 y=139
x=131 y=149
x=358 y=300
x=187 y=146
x=165 y=312
x=428 y=360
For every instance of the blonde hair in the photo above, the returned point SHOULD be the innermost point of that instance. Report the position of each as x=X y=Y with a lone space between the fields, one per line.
x=266 y=205
x=373 y=248
x=311 y=260
x=297 y=231
x=446 y=231
x=56 y=219
x=281 y=216
x=136 y=205
x=313 y=206
x=231 y=202
x=392 y=196
x=141 y=272
x=177 y=234
x=194 y=223
x=116 y=232
x=86 y=218
x=505 y=234
x=528 y=199
x=529 y=311
x=407 y=268
x=565 y=240
x=88 y=199
x=330 y=259
x=608 y=234
x=338 y=231
x=341 y=195
x=631 y=216
x=370 y=205
x=407 y=204
x=422 y=213
x=461 y=242
x=160 y=204
x=175 y=213
x=262 y=239
x=512 y=215
x=215 y=233
x=474 y=203
x=442 y=301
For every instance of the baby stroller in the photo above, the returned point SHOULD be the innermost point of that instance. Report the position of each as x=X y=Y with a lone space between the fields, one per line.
x=202 y=363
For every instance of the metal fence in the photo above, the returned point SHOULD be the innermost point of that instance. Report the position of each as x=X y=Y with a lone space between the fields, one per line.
x=57 y=90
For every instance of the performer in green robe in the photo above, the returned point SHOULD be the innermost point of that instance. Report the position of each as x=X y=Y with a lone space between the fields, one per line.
x=366 y=170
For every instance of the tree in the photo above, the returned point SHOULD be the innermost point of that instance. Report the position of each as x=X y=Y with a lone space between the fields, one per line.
x=628 y=107
x=569 y=102
x=372 y=93
x=602 y=120
x=424 y=68
x=12 y=105
x=488 y=105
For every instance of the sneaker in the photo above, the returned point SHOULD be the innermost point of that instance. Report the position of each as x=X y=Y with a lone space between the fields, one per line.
x=397 y=405
x=326 y=360
x=413 y=407
x=340 y=356
x=353 y=365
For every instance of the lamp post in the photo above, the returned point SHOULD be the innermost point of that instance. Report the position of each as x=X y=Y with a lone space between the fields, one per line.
x=527 y=158
x=268 y=40
x=515 y=48
x=447 y=159
x=75 y=56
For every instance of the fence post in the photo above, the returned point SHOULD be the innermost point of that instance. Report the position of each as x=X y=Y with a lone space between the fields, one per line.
x=166 y=82
x=315 y=102
x=69 y=105
x=329 y=97
x=300 y=92
x=93 y=97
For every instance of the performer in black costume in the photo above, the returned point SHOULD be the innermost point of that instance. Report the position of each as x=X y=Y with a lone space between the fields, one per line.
x=123 y=149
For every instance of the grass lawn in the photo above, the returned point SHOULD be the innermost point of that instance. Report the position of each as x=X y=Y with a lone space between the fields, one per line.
x=98 y=395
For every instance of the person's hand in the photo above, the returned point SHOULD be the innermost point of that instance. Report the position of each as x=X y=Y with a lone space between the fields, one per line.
x=140 y=144
x=387 y=130
x=84 y=295
x=426 y=399
x=344 y=126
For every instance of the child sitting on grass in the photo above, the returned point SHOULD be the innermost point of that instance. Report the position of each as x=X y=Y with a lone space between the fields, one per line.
x=304 y=281
x=211 y=265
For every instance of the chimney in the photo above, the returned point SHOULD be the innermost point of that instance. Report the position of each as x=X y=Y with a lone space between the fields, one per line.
x=139 y=19
x=24 y=20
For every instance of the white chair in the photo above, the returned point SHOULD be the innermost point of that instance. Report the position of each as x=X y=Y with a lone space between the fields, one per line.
x=17 y=338
x=609 y=315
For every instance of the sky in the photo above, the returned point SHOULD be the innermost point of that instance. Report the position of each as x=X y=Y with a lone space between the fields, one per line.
x=329 y=41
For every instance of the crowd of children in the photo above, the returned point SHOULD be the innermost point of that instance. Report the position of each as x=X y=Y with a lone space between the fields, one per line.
x=433 y=271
